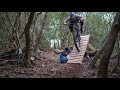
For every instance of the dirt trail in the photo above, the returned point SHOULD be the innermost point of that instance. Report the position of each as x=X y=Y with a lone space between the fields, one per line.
x=48 y=66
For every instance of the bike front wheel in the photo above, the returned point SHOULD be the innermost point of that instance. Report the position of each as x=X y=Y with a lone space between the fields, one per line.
x=76 y=40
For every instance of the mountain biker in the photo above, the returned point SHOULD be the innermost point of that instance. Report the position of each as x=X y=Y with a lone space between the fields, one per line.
x=72 y=18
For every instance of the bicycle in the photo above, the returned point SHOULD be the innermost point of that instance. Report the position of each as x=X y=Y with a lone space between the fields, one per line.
x=76 y=35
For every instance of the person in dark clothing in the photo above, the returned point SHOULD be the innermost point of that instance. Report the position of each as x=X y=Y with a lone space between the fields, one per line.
x=74 y=18
x=63 y=55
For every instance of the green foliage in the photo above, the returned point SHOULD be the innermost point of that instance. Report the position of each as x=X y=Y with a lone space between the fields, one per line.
x=96 y=24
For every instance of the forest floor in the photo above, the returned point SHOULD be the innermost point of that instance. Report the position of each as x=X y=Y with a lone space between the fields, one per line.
x=48 y=66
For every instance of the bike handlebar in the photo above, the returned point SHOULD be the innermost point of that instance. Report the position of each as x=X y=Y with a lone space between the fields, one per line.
x=71 y=23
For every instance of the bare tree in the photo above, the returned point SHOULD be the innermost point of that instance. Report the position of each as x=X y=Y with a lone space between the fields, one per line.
x=27 y=36
x=5 y=23
x=38 y=39
x=15 y=28
x=93 y=62
x=103 y=70
x=117 y=56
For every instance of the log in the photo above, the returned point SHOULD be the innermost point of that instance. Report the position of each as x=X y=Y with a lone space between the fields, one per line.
x=58 y=51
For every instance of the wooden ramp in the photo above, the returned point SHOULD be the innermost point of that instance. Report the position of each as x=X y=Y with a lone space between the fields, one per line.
x=75 y=56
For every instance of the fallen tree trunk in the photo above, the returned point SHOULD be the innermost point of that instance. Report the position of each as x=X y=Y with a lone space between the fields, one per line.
x=58 y=51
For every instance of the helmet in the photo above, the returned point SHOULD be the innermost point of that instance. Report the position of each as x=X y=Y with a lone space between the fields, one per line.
x=63 y=59
x=72 y=14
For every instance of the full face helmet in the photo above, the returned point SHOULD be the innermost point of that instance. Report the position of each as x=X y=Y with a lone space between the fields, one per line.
x=72 y=15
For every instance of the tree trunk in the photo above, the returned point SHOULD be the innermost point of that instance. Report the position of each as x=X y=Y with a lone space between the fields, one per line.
x=103 y=69
x=117 y=56
x=33 y=31
x=27 y=36
x=118 y=50
x=118 y=62
x=38 y=39
x=15 y=27
x=5 y=23
x=33 y=36
x=93 y=62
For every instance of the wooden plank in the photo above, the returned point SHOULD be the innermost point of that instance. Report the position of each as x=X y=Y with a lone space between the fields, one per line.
x=81 y=47
x=91 y=47
x=75 y=59
x=74 y=62
x=80 y=62
x=81 y=51
x=83 y=44
x=76 y=53
x=84 y=39
x=75 y=56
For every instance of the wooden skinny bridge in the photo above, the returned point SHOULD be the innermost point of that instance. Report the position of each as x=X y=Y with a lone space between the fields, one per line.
x=77 y=57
